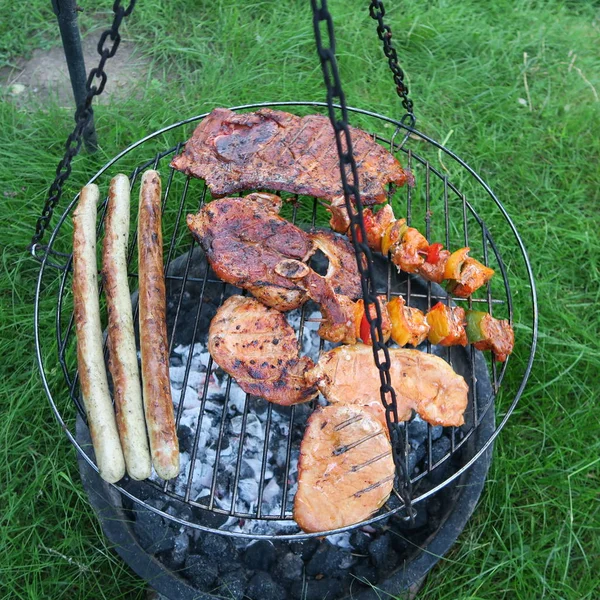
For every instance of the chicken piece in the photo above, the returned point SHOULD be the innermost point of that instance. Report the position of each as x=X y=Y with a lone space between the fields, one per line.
x=342 y=272
x=487 y=333
x=259 y=349
x=346 y=469
x=423 y=382
x=275 y=150
x=472 y=276
x=340 y=220
x=447 y=325
x=244 y=239
x=409 y=325
x=435 y=271
x=407 y=255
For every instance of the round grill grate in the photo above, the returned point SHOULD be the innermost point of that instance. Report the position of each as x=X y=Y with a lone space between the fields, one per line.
x=445 y=205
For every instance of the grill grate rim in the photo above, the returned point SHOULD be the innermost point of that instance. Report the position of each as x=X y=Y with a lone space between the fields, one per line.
x=64 y=335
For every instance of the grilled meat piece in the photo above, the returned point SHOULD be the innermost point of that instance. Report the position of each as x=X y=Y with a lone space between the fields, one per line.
x=407 y=254
x=447 y=325
x=342 y=272
x=275 y=150
x=346 y=470
x=423 y=382
x=435 y=271
x=496 y=335
x=244 y=239
x=336 y=309
x=472 y=276
x=340 y=220
x=257 y=347
x=409 y=325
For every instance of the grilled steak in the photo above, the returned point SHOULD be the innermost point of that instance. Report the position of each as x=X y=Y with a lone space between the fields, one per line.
x=244 y=239
x=423 y=382
x=257 y=347
x=270 y=149
x=346 y=469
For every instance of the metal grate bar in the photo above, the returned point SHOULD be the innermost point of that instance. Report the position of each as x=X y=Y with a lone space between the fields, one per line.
x=472 y=388
x=201 y=414
x=238 y=465
x=288 y=456
x=263 y=468
x=213 y=487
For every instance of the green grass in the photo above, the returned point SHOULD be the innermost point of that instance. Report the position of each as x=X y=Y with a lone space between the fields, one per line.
x=536 y=532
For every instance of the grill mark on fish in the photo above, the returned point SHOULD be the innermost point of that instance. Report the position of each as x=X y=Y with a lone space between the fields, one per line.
x=348 y=422
x=372 y=487
x=347 y=447
x=370 y=462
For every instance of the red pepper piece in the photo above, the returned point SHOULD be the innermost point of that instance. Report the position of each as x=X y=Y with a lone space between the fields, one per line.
x=433 y=253
x=365 y=330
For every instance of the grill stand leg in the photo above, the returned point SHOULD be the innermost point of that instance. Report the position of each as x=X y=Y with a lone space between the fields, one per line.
x=66 y=13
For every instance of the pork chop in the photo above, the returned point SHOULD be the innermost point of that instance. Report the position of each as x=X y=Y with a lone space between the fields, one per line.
x=259 y=349
x=275 y=150
x=346 y=469
x=244 y=239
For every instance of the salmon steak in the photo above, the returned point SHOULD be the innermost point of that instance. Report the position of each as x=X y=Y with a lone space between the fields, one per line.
x=275 y=150
x=422 y=382
x=346 y=469
x=259 y=349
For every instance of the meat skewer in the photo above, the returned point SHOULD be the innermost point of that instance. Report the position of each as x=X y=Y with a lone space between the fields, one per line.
x=123 y=362
x=443 y=325
x=275 y=150
x=154 y=347
x=90 y=356
x=410 y=251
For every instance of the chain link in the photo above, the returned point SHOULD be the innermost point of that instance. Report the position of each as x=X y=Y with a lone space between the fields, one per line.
x=350 y=184
x=377 y=12
x=83 y=117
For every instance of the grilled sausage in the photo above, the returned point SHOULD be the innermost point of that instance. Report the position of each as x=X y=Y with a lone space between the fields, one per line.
x=158 y=404
x=90 y=357
x=123 y=363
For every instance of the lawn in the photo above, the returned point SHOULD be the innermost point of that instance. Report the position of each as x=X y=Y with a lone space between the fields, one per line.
x=512 y=86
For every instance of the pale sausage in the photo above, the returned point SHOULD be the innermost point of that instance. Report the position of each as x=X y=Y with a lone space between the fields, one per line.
x=123 y=362
x=90 y=356
x=158 y=404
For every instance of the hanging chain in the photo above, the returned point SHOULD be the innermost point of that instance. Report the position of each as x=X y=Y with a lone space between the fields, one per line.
x=377 y=12
x=350 y=183
x=95 y=86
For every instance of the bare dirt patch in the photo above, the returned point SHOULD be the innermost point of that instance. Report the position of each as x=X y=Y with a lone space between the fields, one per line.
x=45 y=77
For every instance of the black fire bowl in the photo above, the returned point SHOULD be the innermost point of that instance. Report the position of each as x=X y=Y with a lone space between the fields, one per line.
x=185 y=564
x=390 y=556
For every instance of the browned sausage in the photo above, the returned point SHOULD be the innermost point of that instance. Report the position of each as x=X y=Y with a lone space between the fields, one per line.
x=153 y=332
x=90 y=356
x=123 y=362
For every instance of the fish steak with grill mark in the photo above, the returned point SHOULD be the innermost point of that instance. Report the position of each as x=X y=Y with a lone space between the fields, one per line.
x=346 y=469
x=422 y=382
